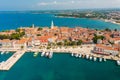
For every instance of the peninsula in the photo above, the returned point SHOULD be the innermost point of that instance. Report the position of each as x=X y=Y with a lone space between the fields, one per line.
x=80 y=42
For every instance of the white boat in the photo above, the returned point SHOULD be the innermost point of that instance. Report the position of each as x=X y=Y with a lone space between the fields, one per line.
x=95 y=58
x=50 y=54
x=87 y=56
x=35 y=54
x=80 y=55
x=104 y=59
x=100 y=59
x=42 y=54
x=76 y=55
x=90 y=57
x=118 y=62
x=2 y=52
x=47 y=54
x=7 y=52
x=72 y=54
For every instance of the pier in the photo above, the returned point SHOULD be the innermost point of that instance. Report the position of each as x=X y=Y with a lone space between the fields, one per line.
x=11 y=61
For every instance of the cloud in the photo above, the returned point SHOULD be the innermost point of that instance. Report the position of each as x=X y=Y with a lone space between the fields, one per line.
x=55 y=3
x=77 y=4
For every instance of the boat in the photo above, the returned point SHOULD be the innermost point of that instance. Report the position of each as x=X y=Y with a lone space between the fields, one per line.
x=87 y=56
x=80 y=55
x=90 y=57
x=95 y=58
x=72 y=54
x=50 y=54
x=104 y=59
x=100 y=59
x=47 y=54
x=118 y=62
x=35 y=54
x=7 y=52
x=2 y=52
x=76 y=55
x=42 y=54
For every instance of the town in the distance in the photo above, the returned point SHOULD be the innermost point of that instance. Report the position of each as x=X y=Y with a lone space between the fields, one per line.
x=87 y=43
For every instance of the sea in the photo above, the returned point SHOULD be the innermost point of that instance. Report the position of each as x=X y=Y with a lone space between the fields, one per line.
x=60 y=66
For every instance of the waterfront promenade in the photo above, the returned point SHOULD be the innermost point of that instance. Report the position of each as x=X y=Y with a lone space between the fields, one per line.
x=84 y=50
x=11 y=61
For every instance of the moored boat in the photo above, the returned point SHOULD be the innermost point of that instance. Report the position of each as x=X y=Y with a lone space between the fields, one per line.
x=100 y=59
x=76 y=55
x=118 y=62
x=87 y=56
x=50 y=54
x=42 y=54
x=35 y=54
x=80 y=55
x=95 y=58
x=90 y=57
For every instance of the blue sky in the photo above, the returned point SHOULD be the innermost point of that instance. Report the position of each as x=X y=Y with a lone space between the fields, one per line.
x=56 y=4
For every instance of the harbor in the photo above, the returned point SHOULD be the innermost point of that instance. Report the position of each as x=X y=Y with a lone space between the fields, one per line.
x=78 y=52
x=6 y=65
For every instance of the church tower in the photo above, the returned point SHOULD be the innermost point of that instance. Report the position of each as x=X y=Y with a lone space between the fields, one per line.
x=52 y=25
x=33 y=26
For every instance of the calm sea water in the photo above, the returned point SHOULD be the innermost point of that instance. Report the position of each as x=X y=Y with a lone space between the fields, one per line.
x=15 y=20
x=61 y=67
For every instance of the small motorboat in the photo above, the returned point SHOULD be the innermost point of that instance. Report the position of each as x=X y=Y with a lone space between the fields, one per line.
x=118 y=62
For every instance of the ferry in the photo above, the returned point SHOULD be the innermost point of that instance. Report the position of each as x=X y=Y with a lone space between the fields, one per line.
x=35 y=54
x=50 y=54
x=118 y=62
x=100 y=59
x=42 y=54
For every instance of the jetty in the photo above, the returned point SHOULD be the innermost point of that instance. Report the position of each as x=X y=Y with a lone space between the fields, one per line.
x=6 y=65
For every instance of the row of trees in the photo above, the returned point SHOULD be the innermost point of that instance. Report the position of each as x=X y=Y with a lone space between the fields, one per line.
x=69 y=43
x=16 y=36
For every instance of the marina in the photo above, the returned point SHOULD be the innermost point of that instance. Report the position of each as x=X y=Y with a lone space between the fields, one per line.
x=6 y=65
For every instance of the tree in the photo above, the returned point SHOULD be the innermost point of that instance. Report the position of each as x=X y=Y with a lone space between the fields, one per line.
x=107 y=29
x=95 y=38
x=39 y=29
x=79 y=42
x=59 y=43
x=115 y=29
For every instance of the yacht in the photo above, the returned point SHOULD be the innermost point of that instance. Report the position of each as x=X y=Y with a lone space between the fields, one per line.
x=95 y=58
x=100 y=59
x=76 y=55
x=104 y=59
x=7 y=52
x=90 y=57
x=50 y=54
x=72 y=54
x=2 y=52
x=80 y=55
x=87 y=56
x=42 y=54
x=118 y=62
x=35 y=54
x=47 y=54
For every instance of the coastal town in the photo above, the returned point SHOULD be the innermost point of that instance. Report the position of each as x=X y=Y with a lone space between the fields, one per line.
x=80 y=42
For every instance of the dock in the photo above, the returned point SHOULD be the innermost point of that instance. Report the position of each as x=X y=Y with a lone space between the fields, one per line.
x=11 y=61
